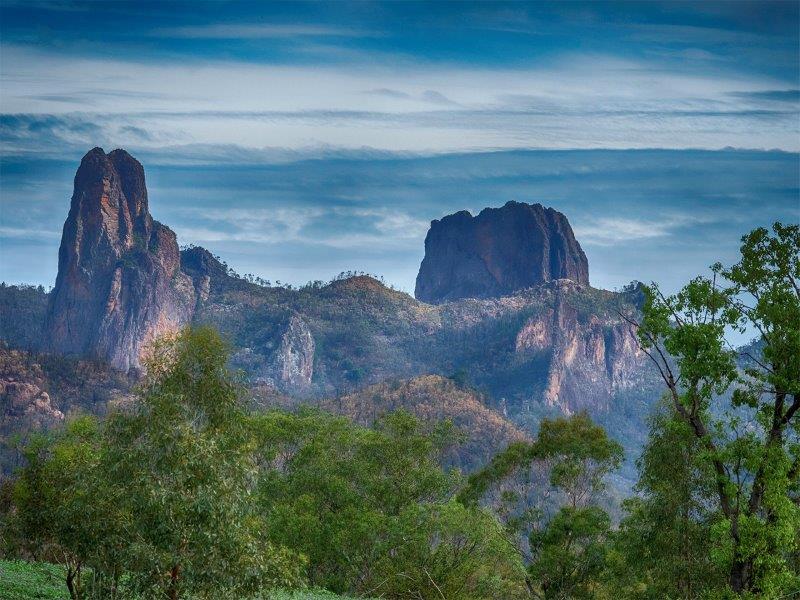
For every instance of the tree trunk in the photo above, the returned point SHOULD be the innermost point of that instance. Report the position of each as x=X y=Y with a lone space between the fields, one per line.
x=73 y=592
x=174 y=574
x=741 y=575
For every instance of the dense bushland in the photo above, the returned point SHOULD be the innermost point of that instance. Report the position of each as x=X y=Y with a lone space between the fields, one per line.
x=188 y=495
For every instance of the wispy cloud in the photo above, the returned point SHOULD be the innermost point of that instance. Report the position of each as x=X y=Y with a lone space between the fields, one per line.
x=390 y=93
x=578 y=101
x=437 y=98
x=227 y=31
x=29 y=233
x=395 y=224
x=355 y=227
x=430 y=96
x=692 y=34
x=610 y=231
x=790 y=96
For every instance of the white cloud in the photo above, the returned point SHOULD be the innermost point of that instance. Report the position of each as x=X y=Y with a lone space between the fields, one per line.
x=273 y=225
x=609 y=231
x=28 y=233
x=587 y=101
x=393 y=223
x=376 y=227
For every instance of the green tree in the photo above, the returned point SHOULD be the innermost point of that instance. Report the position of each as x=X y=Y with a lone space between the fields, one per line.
x=447 y=550
x=567 y=538
x=661 y=548
x=184 y=458
x=370 y=509
x=66 y=512
x=570 y=553
x=751 y=445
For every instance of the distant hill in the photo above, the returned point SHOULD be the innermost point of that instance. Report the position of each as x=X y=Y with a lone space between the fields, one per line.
x=433 y=398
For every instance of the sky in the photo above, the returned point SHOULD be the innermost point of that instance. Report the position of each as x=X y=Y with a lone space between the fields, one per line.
x=299 y=140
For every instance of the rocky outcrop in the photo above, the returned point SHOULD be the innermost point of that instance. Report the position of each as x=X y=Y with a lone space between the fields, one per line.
x=119 y=282
x=284 y=357
x=500 y=251
x=590 y=357
x=294 y=360
x=38 y=391
x=203 y=268
x=24 y=404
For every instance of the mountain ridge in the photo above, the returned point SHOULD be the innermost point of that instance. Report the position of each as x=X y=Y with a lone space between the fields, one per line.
x=558 y=346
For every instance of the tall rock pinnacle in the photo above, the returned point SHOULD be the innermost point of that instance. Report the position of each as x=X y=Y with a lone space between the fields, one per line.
x=500 y=251
x=119 y=283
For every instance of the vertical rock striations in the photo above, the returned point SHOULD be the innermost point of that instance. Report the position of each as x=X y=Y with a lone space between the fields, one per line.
x=294 y=360
x=589 y=357
x=119 y=282
x=283 y=358
x=500 y=251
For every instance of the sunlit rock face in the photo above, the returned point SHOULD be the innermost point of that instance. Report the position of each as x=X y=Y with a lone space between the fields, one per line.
x=295 y=357
x=119 y=281
x=284 y=359
x=589 y=357
x=498 y=252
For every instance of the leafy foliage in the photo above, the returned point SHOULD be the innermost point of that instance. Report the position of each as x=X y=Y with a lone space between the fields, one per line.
x=184 y=457
x=186 y=495
x=752 y=446
x=157 y=500
x=661 y=549
x=567 y=542
x=369 y=507
x=36 y=390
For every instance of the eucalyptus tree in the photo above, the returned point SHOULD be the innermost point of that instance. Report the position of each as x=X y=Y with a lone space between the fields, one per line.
x=184 y=457
x=661 y=547
x=750 y=444
x=567 y=543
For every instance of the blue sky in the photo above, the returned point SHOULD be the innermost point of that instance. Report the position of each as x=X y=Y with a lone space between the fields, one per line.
x=299 y=140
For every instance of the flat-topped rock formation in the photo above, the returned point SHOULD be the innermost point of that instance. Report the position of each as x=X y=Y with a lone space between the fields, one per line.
x=498 y=252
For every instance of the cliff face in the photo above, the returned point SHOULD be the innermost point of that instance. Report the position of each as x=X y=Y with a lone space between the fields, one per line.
x=119 y=283
x=500 y=251
x=282 y=355
x=294 y=360
x=588 y=359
